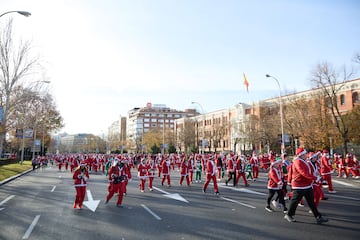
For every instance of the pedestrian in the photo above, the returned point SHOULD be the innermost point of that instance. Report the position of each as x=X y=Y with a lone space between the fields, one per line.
x=275 y=184
x=184 y=171
x=151 y=168
x=117 y=178
x=352 y=166
x=231 y=170
x=198 y=169
x=80 y=177
x=166 y=168
x=326 y=169
x=301 y=177
x=240 y=170
x=142 y=170
x=211 y=171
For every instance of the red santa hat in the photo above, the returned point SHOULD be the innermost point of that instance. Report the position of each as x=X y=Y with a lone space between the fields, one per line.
x=300 y=151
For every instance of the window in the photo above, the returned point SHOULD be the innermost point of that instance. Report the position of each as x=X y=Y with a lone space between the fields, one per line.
x=355 y=97
x=342 y=99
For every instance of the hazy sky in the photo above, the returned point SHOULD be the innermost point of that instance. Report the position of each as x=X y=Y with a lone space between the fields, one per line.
x=105 y=57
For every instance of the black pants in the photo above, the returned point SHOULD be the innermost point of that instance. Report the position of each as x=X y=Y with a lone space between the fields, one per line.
x=298 y=194
x=280 y=196
x=231 y=175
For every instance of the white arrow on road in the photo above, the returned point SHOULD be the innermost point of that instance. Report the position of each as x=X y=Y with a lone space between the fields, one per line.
x=91 y=203
x=175 y=196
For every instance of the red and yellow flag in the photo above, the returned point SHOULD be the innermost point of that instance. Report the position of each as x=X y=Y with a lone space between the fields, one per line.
x=246 y=83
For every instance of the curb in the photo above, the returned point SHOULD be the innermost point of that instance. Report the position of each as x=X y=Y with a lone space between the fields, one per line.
x=14 y=177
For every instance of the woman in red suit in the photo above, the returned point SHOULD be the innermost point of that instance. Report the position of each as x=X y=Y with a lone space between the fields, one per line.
x=80 y=176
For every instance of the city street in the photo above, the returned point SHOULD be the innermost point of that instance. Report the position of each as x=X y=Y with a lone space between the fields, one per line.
x=38 y=205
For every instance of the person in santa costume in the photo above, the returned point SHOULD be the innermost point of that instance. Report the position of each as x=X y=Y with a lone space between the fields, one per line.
x=198 y=168
x=275 y=184
x=326 y=169
x=211 y=171
x=352 y=166
x=254 y=161
x=80 y=177
x=166 y=168
x=240 y=170
x=318 y=193
x=151 y=168
x=231 y=169
x=142 y=170
x=341 y=165
x=184 y=171
x=117 y=178
x=301 y=177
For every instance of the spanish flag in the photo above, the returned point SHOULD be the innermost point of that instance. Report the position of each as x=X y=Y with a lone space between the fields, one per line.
x=246 y=83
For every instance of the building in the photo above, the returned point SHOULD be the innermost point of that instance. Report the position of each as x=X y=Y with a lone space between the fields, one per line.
x=117 y=135
x=152 y=116
x=244 y=128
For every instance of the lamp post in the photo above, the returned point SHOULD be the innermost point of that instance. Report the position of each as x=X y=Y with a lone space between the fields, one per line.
x=24 y=13
x=203 y=127
x=281 y=113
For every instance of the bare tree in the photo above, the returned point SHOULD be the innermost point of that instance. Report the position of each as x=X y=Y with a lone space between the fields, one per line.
x=330 y=81
x=15 y=65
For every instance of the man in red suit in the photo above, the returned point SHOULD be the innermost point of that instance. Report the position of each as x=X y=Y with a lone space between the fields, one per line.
x=117 y=182
x=211 y=170
x=301 y=177
x=166 y=168
x=231 y=169
x=326 y=170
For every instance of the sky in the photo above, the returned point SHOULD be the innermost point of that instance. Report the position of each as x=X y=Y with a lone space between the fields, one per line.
x=106 y=57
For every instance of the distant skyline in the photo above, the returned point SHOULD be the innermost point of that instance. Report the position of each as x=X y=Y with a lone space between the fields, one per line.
x=106 y=57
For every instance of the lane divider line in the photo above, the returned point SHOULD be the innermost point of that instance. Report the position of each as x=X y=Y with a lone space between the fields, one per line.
x=53 y=189
x=31 y=227
x=7 y=199
x=234 y=201
x=151 y=212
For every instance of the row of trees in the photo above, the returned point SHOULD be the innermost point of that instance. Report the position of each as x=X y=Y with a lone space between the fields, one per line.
x=25 y=102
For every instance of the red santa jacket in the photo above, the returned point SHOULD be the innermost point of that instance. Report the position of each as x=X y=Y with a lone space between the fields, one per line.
x=301 y=174
x=326 y=167
x=274 y=179
x=211 y=168
x=185 y=167
x=80 y=176
x=142 y=170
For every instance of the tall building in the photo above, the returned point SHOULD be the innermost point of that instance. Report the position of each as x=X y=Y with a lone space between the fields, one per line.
x=152 y=116
x=117 y=135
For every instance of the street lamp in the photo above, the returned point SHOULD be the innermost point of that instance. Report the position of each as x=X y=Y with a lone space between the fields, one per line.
x=24 y=13
x=281 y=113
x=203 y=127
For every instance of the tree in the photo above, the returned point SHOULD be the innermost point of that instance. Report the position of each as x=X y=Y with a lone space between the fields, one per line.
x=352 y=120
x=330 y=82
x=16 y=64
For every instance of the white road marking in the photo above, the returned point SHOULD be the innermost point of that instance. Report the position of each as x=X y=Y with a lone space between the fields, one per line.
x=343 y=183
x=53 y=189
x=151 y=212
x=7 y=199
x=350 y=198
x=31 y=227
x=234 y=201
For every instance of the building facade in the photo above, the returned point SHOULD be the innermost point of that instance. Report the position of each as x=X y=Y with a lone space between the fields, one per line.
x=153 y=116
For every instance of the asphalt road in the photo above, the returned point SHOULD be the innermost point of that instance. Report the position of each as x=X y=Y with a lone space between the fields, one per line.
x=38 y=205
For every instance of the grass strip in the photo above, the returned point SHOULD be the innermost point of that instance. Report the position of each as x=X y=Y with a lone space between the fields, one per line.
x=13 y=169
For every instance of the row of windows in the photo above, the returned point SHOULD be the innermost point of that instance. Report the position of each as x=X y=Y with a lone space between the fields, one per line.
x=161 y=115
x=154 y=120
x=355 y=98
